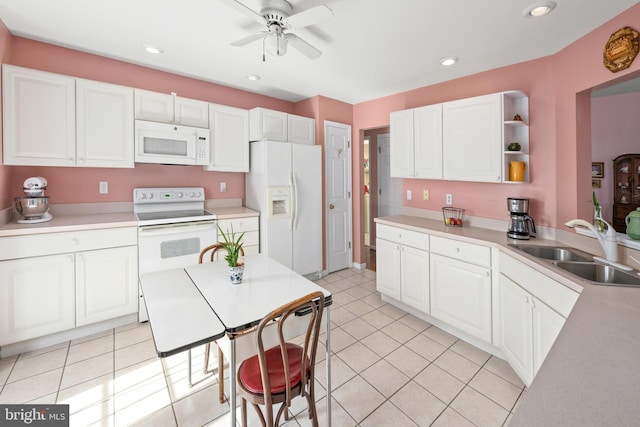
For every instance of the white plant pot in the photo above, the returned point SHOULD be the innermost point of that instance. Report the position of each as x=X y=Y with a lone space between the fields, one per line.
x=235 y=274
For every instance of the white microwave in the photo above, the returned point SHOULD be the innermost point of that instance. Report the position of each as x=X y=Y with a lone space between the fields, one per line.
x=171 y=144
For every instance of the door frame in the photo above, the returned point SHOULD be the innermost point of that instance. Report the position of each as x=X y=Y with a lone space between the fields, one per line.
x=349 y=186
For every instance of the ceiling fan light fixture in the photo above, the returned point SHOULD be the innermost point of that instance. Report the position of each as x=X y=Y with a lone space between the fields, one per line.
x=448 y=61
x=538 y=10
x=152 y=49
x=276 y=44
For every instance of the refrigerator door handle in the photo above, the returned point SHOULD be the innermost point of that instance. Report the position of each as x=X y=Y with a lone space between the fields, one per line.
x=292 y=203
x=295 y=201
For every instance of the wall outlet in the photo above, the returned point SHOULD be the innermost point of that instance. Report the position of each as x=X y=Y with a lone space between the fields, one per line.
x=425 y=194
x=223 y=187
x=104 y=187
x=408 y=194
x=449 y=199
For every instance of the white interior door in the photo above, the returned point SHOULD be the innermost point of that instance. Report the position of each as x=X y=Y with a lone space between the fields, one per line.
x=337 y=148
x=389 y=189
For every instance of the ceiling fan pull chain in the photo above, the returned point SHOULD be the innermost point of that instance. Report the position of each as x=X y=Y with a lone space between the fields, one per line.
x=264 y=58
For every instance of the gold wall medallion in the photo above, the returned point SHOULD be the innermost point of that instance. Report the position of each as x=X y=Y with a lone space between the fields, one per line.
x=621 y=49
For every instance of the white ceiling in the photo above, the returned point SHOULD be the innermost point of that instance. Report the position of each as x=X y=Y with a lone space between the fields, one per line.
x=371 y=48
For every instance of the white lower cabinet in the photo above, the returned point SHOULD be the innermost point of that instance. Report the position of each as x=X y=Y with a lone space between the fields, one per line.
x=530 y=315
x=58 y=281
x=106 y=284
x=460 y=290
x=250 y=226
x=36 y=297
x=403 y=270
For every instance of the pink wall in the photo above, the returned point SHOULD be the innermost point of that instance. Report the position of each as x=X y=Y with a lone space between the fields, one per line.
x=80 y=185
x=615 y=130
x=5 y=171
x=484 y=200
x=560 y=130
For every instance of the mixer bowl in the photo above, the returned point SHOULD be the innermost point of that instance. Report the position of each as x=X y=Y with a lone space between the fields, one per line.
x=31 y=207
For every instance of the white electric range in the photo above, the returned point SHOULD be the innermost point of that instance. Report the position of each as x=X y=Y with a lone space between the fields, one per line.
x=173 y=228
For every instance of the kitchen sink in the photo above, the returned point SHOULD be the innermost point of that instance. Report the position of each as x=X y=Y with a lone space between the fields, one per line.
x=554 y=253
x=599 y=274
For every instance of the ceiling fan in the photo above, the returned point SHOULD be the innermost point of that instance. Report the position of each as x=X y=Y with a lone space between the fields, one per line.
x=280 y=21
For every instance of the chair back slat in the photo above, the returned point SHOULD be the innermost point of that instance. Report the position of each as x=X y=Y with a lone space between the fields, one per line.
x=314 y=304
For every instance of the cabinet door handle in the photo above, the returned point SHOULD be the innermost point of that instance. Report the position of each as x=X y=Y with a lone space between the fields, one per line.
x=74 y=241
x=526 y=299
x=457 y=250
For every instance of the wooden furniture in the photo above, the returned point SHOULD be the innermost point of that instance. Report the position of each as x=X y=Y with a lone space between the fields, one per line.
x=267 y=285
x=286 y=370
x=626 y=188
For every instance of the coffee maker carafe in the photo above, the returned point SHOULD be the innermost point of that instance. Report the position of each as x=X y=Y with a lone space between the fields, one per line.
x=521 y=225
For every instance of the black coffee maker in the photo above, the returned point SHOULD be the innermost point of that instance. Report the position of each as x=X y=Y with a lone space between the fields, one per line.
x=521 y=225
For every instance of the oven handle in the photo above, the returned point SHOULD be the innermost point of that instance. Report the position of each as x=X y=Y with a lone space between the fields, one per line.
x=161 y=229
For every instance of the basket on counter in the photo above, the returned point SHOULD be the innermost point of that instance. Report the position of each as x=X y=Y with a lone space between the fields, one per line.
x=453 y=217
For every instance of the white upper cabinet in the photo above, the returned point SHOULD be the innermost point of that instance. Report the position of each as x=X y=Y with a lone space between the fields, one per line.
x=416 y=143
x=38 y=118
x=401 y=139
x=464 y=140
x=104 y=125
x=301 y=130
x=56 y=120
x=265 y=124
x=472 y=135
x=229 y=128
x=168 y=108
x=268 y=124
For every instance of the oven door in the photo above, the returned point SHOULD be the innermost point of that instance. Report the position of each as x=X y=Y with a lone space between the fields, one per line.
x=165 y=246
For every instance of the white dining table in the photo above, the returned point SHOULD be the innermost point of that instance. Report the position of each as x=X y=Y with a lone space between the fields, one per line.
x=266 y=285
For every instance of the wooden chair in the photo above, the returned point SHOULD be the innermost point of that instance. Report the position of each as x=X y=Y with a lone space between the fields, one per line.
x=215 y=248
x=282 y=372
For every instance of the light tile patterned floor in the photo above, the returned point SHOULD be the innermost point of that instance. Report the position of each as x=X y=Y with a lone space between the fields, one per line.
x=388 y=368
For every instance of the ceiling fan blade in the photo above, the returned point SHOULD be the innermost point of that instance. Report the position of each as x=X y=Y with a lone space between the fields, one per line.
x=309 y=17
x=244 y=10
x=248 y=39
x=304 y=47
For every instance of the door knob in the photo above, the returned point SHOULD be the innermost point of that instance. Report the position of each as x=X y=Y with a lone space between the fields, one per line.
x=331 y=206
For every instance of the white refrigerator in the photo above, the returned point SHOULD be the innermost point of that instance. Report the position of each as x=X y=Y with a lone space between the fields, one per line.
x=285 y=185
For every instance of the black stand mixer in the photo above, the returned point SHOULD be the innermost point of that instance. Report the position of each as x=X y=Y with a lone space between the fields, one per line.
x=521 y=225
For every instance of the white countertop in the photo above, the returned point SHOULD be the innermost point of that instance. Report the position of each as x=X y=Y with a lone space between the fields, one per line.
x=64 y=223
x=591 y=376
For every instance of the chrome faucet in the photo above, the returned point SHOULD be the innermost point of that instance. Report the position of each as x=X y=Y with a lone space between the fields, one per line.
x=606 y=239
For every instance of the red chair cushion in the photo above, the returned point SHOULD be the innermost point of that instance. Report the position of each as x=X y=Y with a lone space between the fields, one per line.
x=249 y=372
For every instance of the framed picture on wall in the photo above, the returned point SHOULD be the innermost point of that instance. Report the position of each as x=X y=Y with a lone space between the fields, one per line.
x=597 y=170
x=596 y=183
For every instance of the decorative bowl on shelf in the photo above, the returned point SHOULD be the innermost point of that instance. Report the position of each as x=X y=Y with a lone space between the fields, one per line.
x=453 y=217
x=514 y=146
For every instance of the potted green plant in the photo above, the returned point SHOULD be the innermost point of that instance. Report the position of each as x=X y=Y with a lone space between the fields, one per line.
x=232 y=243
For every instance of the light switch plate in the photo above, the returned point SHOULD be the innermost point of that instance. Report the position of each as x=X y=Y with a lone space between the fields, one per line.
x=425 y=194
x=408 y=194
x=104 y=187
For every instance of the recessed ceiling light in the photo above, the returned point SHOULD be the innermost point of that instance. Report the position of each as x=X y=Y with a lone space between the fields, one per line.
x=448 y=61
x=253 y=77
x=537 y=10
x=152 y=49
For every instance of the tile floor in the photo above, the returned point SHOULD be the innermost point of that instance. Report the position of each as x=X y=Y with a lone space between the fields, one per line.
x=388 y=368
